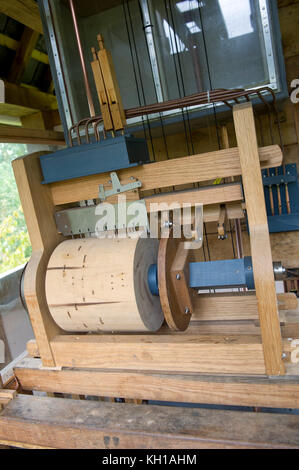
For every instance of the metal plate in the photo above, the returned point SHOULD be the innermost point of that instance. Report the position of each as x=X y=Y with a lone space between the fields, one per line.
x=103 y=217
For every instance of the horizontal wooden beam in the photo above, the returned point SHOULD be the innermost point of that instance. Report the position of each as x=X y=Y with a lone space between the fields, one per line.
x=24 y=100
x=178 y=171
x=12 y=44
x=76 y=424
x=15 y=134
x=229 y=306
x=207 y=195
x=217 y=390
x=24 y=11
x=205 y=354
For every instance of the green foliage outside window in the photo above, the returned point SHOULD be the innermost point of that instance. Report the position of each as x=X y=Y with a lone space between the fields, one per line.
x=15 y=246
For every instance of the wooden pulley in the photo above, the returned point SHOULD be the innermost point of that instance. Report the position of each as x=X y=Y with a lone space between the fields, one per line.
x=173 y=281
x=95 y=285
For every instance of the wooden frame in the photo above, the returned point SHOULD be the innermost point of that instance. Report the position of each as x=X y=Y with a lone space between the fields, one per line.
x=209 y=353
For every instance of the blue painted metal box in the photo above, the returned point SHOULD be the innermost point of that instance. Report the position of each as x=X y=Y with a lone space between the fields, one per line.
x=89 y=159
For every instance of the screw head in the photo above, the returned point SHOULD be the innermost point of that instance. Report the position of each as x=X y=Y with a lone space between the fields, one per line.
x=187 y=310
x=178 y=277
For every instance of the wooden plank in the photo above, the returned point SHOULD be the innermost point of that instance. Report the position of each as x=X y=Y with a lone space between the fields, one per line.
x=24 y=11
x=234 y=306
x=23 y=54
x=38 y=210
x=225 y=306
x=11 y=394
x=32 y=348
x=196 y=353
x=28 y=98
x=259 y=238
x=190 y=169
x=73 y=424
x=16 y=134
x=206 y=195
x=188 y=388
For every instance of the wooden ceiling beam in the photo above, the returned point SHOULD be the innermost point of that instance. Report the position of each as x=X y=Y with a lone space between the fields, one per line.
x=23 y=54
x=23 y=100
x=12 y=44
x=22 y=135
x=24 y=11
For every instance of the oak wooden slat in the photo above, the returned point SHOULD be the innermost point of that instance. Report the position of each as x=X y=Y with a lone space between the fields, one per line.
x=178 y=171
x=188 y=388
x=183 y=353
x=39 y=215
x=259 y=237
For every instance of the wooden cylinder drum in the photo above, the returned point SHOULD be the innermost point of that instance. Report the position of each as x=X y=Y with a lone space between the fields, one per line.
x=101 y=285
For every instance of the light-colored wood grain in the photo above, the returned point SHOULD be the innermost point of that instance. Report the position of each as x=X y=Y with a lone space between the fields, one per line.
x=111 y=86
x=39 y=215
x=183 y=353
x=210 y=195
x=178 y=171
x=101 y=91
x=32 y=348
x=234 y=306
x=101 y=285
x=189 y=388
x=259 y=238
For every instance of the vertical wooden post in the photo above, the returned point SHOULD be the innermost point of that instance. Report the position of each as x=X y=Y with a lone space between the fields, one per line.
x=38 y=209
x=259 y=238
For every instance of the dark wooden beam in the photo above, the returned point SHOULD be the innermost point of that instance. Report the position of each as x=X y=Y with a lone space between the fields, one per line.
x=23 y=54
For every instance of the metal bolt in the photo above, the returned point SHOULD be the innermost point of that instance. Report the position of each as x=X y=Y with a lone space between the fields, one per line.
x=283 y=355
x=187 y=310
x=168 y=224
x=178 y=277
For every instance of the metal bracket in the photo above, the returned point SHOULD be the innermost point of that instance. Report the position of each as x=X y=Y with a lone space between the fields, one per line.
x=117 y=187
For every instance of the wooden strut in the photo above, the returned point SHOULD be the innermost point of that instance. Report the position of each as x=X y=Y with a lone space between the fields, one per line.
x=259 y=238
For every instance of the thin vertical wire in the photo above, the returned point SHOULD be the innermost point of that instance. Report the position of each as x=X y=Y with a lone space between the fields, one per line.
x=133 y=64
x=140 y=77
x=181 y=73
x=177 y=77
x=160 y=115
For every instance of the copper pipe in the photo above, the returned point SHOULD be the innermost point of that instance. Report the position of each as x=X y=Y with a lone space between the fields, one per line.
x=87 y=87
x=213 y=96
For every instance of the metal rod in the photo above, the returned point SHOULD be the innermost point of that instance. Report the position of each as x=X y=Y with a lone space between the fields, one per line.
x=87 y=86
